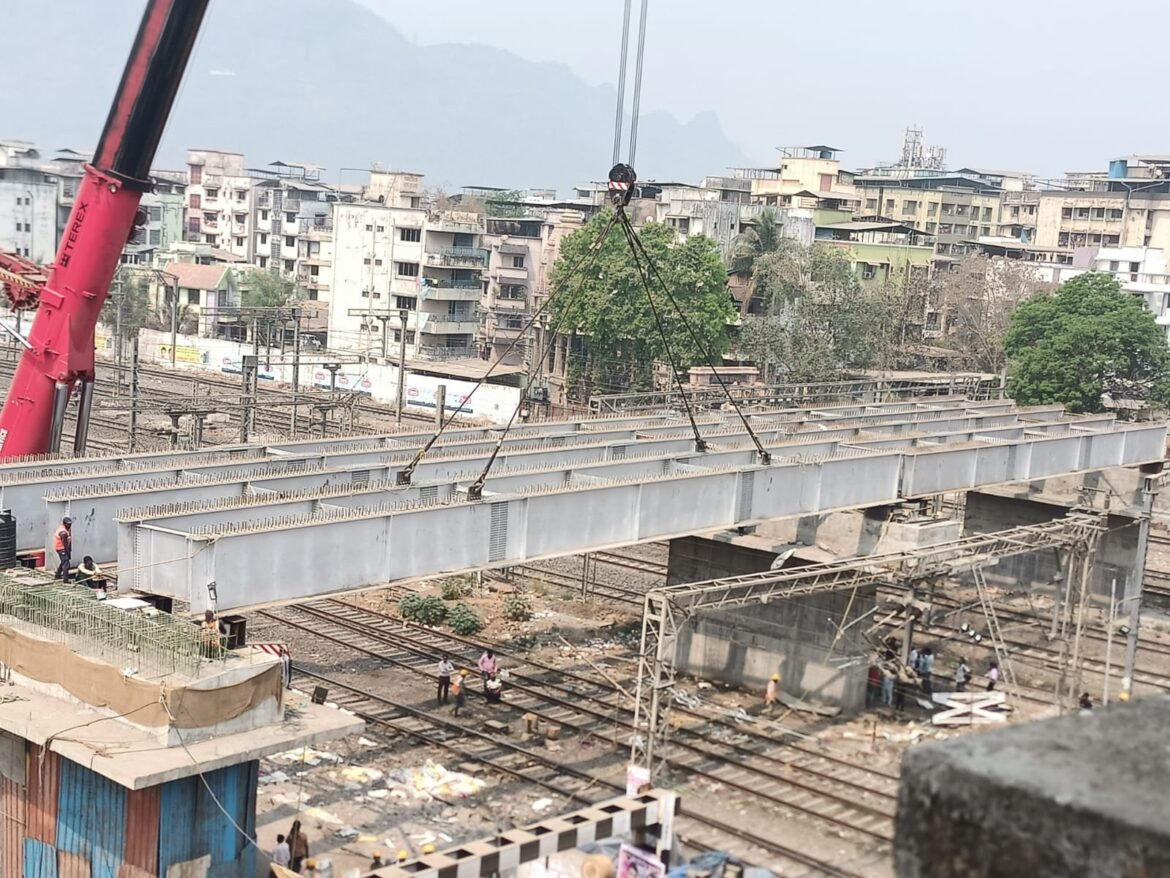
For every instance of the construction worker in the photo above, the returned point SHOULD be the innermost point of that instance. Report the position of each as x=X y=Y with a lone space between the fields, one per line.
x=213 y=630
x=770 y=692
x=63 y=544
x=962 y=675
x=88 y=573
x=457 y=684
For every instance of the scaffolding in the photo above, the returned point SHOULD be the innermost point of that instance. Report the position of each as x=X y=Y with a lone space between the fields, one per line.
x=668 y=610
x=148 y=645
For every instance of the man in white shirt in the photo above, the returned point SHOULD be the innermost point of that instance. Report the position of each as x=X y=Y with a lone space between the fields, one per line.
x=446 y=669
x=281 y=855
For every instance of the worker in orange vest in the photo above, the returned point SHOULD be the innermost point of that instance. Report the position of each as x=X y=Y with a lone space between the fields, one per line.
x=63 y=543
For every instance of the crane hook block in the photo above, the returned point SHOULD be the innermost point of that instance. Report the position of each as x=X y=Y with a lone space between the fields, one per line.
x=621 y=184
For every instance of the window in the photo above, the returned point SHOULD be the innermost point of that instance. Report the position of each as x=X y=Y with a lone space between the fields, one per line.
x=932 y=208
x=263 y=239
x=377 y=262
x=410 y=235
x=196 y=174
x=986 y=214
x=290 y=241
x=944 y=228
x=1113 y=264
x=241 y=218
x=369 y=228
x=1135 y=266
x=18 y=224
x=960 y=210
x=154 y=213
x=312 y=294
x=289 y=265
x=406 y=269
x=1082 y=213
x=1062 y=240
x=1115 y=213
x=931 y=228
x=196 y=200
x=871 y=204
x=241 y=194
x=986 y=230
x=154 y=236
x=517 y=261
x=868 y=272
x=314 y=270
x=211 y=193
x=290 y=217
x=1112 y=240
x=193 y=225
x=381 y=228
x=1066 y=213
x=408 y=302
x=264 y=215
x=263 y=261
x=910 y=207
x=192 y=297
x=209 y=239
x=239 y=241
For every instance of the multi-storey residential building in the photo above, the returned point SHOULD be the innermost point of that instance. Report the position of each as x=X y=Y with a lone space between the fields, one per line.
x=514 y=246
x=804 y=177
x=29 y=194
x=452 y=284
x=282 y=207
x=164 y=209
x=219 y=201
x=879 y=250
x=953 y=208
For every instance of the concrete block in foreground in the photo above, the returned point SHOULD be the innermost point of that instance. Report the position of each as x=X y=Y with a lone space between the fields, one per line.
x=1084 y=796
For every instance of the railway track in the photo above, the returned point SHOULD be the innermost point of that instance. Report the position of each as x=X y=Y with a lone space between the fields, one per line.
x=847 y=797
x=699 y=832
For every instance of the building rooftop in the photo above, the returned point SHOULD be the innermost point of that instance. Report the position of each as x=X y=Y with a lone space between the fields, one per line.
x=470 y=367
x=861 y=226
x=135 y=760
x=194 y=276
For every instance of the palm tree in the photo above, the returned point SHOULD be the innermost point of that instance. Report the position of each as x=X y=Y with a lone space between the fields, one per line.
x=753 y=242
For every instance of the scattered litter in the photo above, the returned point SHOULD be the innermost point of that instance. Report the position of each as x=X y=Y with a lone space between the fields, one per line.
x=308 y=756
x=367 y=839
x=541 y=805
x=361 y=774
x=431 y=781
x=347 y=833
x=446 y=838
x=378 y=794
x=366 y=742
x=424 y=838
x=274 y=777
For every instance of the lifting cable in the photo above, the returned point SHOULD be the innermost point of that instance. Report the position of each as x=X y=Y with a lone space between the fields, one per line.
x=700 y=442
x=636 y=245
x=583 y=263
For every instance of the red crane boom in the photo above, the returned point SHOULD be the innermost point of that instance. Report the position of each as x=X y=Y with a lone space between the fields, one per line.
x=59 y=355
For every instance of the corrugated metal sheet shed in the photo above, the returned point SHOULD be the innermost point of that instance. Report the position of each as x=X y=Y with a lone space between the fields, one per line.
x=194 y=825
x=91 y=821
x=142 y=826
x=43 y=779
x=40 y=859
x=12 y=838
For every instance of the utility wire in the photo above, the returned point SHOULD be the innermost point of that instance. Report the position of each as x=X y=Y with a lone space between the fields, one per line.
x=700 y=442
x=635 y=242
x=589 y=255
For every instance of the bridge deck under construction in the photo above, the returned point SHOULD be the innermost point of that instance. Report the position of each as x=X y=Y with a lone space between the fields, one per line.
x=280 y=522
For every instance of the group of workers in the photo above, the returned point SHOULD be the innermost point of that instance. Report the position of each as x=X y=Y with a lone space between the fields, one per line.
x=890 y=679
x=88 y=573
x=453 y=684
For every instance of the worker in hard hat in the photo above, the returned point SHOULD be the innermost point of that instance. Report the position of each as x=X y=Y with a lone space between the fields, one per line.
x=459 y=691
x=770 y=692
x=63 y=544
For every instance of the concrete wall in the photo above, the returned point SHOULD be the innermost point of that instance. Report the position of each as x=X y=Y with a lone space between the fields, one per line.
x=1116 y=552
x=795 y=638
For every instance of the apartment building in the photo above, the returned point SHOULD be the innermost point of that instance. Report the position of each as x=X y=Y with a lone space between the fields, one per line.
x=515 y=263
x=283 y=209
x=164 y=208
x=29 y=220
x=954 y=209
x=219 y=201
x=452 y=284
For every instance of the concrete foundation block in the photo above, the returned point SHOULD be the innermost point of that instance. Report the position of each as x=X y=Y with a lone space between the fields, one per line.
x=1085 y=796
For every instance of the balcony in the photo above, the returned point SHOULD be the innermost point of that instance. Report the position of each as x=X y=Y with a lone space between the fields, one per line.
x=457 y=291
x=511 y=304
x=438 y=352
x=448 y=324
x=458 y=257
x=462 y=226
x=322 y=225
x=511 y=274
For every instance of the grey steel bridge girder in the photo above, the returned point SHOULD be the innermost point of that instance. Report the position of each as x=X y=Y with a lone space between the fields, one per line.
x=274 y=559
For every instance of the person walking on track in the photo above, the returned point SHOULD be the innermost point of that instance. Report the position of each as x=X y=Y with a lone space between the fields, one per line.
x=446 y=669
x=63 y=543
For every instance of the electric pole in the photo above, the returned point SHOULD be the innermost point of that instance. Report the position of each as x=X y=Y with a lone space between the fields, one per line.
x=402 y=316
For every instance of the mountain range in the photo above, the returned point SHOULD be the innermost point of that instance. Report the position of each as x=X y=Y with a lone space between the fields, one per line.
x=331 y=83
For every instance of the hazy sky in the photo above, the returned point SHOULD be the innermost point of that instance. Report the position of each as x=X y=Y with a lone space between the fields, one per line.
x=1037 y=85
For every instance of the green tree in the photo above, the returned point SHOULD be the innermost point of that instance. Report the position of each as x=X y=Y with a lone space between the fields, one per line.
x=757 y=239
x=607 y=312
x=819 y=322
x=1084 y=342
x=134 y=299
x=267 y=289
x=504 y=203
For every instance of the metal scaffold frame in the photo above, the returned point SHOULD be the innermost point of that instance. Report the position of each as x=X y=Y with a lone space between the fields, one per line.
x=666 y=611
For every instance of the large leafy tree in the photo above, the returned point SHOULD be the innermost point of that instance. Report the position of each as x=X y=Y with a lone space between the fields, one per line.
x=602 y=302
x=819 y=322
x=267 y=289
x=1084 y=342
